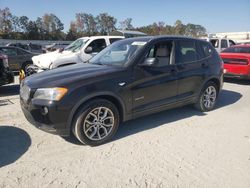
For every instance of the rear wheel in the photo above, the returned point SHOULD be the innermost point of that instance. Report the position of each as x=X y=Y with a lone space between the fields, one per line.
x=96 y=122
x=208 y=97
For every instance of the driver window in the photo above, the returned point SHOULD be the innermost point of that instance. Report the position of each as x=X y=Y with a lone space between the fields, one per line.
x=161 y=51
x=97 y=45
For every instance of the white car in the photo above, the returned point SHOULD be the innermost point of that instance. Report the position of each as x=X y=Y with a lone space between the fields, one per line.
x=221 y=43
x=79 y=51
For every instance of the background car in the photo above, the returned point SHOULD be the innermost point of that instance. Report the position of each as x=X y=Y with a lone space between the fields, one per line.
x=6 y=76
x=18 y=58
x=78 y=51
x=221 y=43
x=35 y=48
x=237 y=61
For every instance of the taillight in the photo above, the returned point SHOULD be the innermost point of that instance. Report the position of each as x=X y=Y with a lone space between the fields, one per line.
x=235 y=61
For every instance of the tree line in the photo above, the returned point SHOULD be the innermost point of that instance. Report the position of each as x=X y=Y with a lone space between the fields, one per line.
x=50 y=27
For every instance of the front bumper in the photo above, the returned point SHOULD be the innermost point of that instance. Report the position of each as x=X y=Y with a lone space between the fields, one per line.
x=54 y=121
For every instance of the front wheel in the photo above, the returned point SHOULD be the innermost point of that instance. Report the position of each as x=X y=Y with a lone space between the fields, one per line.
x=208 y=97
x=96 y=122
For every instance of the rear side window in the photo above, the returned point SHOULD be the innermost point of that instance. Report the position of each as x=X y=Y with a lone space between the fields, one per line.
x=224 y=43
x=112 y=40
x=21 y=52
x=186 y=51
x=206 y=50
x=35 y=46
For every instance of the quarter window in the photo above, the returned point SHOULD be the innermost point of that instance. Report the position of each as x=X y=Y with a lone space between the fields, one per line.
x=206 y=50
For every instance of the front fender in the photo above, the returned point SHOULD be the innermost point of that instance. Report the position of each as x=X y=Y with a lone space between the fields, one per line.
x=91 y=96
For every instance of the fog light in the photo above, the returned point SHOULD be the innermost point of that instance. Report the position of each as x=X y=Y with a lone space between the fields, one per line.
x=44 y=110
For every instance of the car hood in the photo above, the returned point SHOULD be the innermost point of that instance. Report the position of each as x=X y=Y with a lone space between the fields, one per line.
x=45 y=60
x=68 y=75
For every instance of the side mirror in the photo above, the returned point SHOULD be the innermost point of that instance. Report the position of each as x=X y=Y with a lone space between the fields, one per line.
x=150 y=62
x=88 y=50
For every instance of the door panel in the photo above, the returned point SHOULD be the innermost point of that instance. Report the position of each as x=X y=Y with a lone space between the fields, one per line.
x=190 y=77
x=190 y=68
x=156 y=85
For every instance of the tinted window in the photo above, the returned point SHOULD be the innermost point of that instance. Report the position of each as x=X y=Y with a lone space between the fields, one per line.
x=186 y=51
x=224 y=43
x=206 y=50
x=231 y=43
x=35 y=46
x=98 y=45
x=21 y=52
x=161 y=51
x=111 y=40
x=237 y=50
x=9 y=51
x=215 y=42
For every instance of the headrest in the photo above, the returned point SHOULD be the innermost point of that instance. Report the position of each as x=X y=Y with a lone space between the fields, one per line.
x=162 y=52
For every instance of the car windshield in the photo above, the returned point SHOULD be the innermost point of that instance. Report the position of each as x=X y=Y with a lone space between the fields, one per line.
x=237 y=50
x=76 y=45
x=119 y=53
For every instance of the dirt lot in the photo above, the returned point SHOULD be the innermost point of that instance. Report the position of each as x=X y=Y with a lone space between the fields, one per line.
x=175 y=148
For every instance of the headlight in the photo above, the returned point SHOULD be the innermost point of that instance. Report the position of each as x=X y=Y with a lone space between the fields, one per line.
x=52 y=94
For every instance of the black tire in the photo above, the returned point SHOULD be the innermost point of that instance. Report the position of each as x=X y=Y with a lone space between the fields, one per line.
x=201 y=103
x=25 y=65
x=79 y=124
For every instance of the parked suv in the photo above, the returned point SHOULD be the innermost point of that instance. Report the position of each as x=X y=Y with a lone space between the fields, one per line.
x=131 y=78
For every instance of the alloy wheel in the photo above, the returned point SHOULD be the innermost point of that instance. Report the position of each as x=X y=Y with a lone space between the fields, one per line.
x=98 y=123
x=209 y=97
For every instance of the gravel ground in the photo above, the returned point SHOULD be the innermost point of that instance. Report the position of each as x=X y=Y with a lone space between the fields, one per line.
x=175 y=148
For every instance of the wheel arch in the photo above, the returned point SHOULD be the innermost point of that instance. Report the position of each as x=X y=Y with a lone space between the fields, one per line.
x=25 y=63
x=117 y=101
x=214 y=80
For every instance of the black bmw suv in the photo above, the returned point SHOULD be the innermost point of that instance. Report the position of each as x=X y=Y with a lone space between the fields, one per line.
x=130 y=78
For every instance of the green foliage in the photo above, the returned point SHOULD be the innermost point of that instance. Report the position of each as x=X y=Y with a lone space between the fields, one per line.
x=50 y=27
